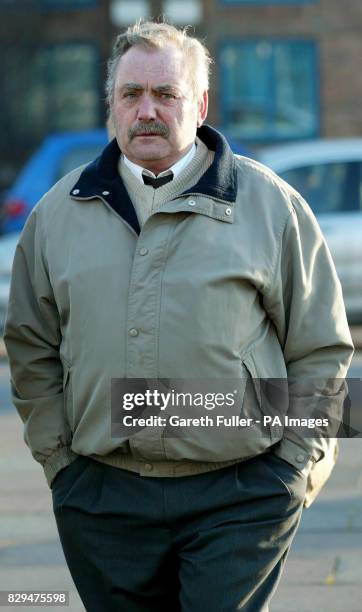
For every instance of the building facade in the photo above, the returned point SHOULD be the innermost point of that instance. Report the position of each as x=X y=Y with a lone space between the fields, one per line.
x=284 y=69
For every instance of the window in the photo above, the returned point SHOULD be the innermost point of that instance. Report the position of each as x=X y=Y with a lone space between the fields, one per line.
x=50 y=89
x=328 y=187
x=77 y=157
x=269 y=89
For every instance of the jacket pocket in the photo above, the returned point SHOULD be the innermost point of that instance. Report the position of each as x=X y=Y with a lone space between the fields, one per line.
x=265 y=398
x=252 y=401
x=68 y=396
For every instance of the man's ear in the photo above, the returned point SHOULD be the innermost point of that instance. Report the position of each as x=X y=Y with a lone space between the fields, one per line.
x=110 y=126
x=203 y=108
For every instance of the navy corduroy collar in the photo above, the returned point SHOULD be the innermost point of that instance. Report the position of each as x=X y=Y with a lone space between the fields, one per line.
x=101 y=177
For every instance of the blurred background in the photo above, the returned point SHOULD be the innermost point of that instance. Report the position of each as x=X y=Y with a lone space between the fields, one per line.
x=286 y=89
x=284 y=69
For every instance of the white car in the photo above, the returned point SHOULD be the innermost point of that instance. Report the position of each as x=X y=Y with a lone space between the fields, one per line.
x=7 y=250
x=328 y=174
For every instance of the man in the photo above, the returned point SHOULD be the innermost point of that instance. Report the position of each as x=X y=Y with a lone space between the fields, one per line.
x=171 y=258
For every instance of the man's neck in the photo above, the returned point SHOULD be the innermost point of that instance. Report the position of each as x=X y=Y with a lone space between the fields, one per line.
x=176 y=168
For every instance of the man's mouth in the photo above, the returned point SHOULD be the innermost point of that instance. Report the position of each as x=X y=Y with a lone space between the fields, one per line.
x=149 y=131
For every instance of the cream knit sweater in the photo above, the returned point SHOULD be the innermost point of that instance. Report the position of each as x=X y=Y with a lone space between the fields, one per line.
x=147 y=200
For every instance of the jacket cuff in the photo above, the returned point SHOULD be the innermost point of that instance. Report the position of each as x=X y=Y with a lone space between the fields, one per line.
x=295 y=454
x=57 y=461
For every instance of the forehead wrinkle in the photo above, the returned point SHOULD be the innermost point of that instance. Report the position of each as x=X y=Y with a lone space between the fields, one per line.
x=156 y=88
x=131 y=86
x=167 y=86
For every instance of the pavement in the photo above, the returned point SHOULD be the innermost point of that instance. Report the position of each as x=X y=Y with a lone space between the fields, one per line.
x=356 y=331
x=31 y=557
x=323 y=572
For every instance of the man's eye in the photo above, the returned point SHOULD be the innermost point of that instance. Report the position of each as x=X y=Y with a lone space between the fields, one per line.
x=130 y=94
x=168 y=96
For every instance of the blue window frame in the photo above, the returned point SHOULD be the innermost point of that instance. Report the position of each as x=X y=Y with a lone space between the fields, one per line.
x=269 y=89
x=52 y=88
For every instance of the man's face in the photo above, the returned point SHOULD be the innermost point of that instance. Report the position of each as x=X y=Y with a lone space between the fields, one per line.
x=154 y=110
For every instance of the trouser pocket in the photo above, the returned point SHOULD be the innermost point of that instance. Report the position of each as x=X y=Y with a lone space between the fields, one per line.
x=66 y=479
x=80 y=486
x=292 y=479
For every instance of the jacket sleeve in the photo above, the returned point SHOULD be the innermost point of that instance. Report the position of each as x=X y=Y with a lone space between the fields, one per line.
x=32 y=338
x=304 y=301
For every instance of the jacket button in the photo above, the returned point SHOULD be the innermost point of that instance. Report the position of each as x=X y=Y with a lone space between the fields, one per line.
x=300 y=458
x=133 y=332
x=105 y=193
x=143 y=251
x=191 y=202
x=75 y=191
x=148 y=467
x=228 y=212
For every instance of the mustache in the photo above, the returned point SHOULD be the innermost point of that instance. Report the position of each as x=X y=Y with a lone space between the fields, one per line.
x=160 y=129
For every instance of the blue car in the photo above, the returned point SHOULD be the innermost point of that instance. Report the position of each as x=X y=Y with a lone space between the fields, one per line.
x=58 y=154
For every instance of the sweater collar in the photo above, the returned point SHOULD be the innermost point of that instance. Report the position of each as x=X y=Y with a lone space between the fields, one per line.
x=219 y=180
x=101 y=179
x=176 y=169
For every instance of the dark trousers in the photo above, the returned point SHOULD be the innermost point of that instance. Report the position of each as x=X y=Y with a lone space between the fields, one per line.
x=214 y=542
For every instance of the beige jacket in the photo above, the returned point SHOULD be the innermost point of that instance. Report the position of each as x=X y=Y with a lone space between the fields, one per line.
x=229 y=280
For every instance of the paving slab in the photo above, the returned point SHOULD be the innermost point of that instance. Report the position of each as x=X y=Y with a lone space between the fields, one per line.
x=318 y=599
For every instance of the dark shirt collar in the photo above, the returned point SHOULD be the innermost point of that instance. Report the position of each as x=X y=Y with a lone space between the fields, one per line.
x=101 y=178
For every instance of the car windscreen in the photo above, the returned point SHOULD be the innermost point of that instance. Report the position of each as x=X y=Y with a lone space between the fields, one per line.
x=78 y=156
x=328 y=187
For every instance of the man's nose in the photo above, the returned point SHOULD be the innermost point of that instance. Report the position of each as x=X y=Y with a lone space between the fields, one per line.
x=146 y=109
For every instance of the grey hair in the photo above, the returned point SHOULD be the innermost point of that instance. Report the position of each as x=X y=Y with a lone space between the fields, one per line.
x=152 y=35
